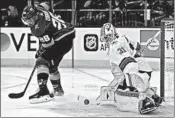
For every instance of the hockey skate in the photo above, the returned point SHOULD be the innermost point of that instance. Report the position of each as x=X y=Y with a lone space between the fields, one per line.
x=58 y=90
x=42 y=94
x=147 y=105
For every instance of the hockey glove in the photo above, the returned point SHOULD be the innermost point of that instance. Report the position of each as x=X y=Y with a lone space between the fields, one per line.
x=39 y=52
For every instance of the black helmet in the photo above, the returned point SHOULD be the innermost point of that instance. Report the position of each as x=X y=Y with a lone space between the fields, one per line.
x=29 y=15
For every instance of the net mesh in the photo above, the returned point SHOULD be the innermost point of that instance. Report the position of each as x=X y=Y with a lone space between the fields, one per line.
x=169 y=58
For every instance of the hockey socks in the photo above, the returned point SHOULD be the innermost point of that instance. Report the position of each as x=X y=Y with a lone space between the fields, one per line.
x=55 y=80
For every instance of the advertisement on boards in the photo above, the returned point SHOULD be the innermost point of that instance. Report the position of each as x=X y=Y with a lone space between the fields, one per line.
x=89 y=46
x=19 y=43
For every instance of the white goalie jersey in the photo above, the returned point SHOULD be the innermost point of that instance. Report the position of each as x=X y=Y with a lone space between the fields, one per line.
x=123 y=47
x=120 y=49
x=131 y=73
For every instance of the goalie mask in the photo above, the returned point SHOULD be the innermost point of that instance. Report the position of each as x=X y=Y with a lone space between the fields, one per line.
x=29 y=16
x=108 y=33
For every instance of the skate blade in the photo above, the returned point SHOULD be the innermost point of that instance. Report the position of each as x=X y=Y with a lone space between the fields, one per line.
x=43 y=99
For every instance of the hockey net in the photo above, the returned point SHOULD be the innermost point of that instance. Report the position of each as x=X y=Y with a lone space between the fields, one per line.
x=167 y=59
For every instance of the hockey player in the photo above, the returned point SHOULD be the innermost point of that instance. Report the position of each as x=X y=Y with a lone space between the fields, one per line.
x=56 y=38
x=126 y=69
x=120 y=53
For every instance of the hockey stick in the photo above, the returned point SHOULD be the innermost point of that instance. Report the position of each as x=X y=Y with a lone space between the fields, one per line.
x=149 y=41
x=114 y=82
x=21 y=94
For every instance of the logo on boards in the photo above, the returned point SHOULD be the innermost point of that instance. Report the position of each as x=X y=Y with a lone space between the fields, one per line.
x=91 y=42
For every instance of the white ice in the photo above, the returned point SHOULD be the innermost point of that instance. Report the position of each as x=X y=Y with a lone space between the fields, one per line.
x=79 y=81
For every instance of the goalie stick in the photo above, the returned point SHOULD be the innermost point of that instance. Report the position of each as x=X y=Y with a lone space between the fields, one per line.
x=151 y=40
x=114 y=82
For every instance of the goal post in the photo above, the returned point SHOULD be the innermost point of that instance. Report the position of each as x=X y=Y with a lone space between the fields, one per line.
x=167 y=59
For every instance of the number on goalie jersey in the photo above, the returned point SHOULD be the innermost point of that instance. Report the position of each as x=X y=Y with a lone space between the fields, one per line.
x=119 y=49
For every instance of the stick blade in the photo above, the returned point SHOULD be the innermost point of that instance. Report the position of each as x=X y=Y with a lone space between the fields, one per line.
x=16 y=95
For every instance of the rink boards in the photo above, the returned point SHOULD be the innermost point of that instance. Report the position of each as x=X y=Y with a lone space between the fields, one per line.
x=18 y=47
x=91 y=71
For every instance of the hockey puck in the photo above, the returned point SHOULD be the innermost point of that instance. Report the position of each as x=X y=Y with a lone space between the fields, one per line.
x=86 y=101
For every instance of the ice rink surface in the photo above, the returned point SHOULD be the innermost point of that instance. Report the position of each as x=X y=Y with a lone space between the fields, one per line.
x=79 y=81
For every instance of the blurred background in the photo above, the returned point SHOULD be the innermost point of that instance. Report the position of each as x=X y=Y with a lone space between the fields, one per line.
x=94 y=13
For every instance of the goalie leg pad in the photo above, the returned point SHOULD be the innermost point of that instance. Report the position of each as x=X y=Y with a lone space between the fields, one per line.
x=134 y=102
x=143 y=65
x=116 y=72
x=107 y=93
x=131 y=68
x=126 y=100
x=137 y=81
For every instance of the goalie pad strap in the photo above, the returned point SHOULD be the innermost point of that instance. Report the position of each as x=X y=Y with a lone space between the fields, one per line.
x=127 y=93
x=129 y=78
